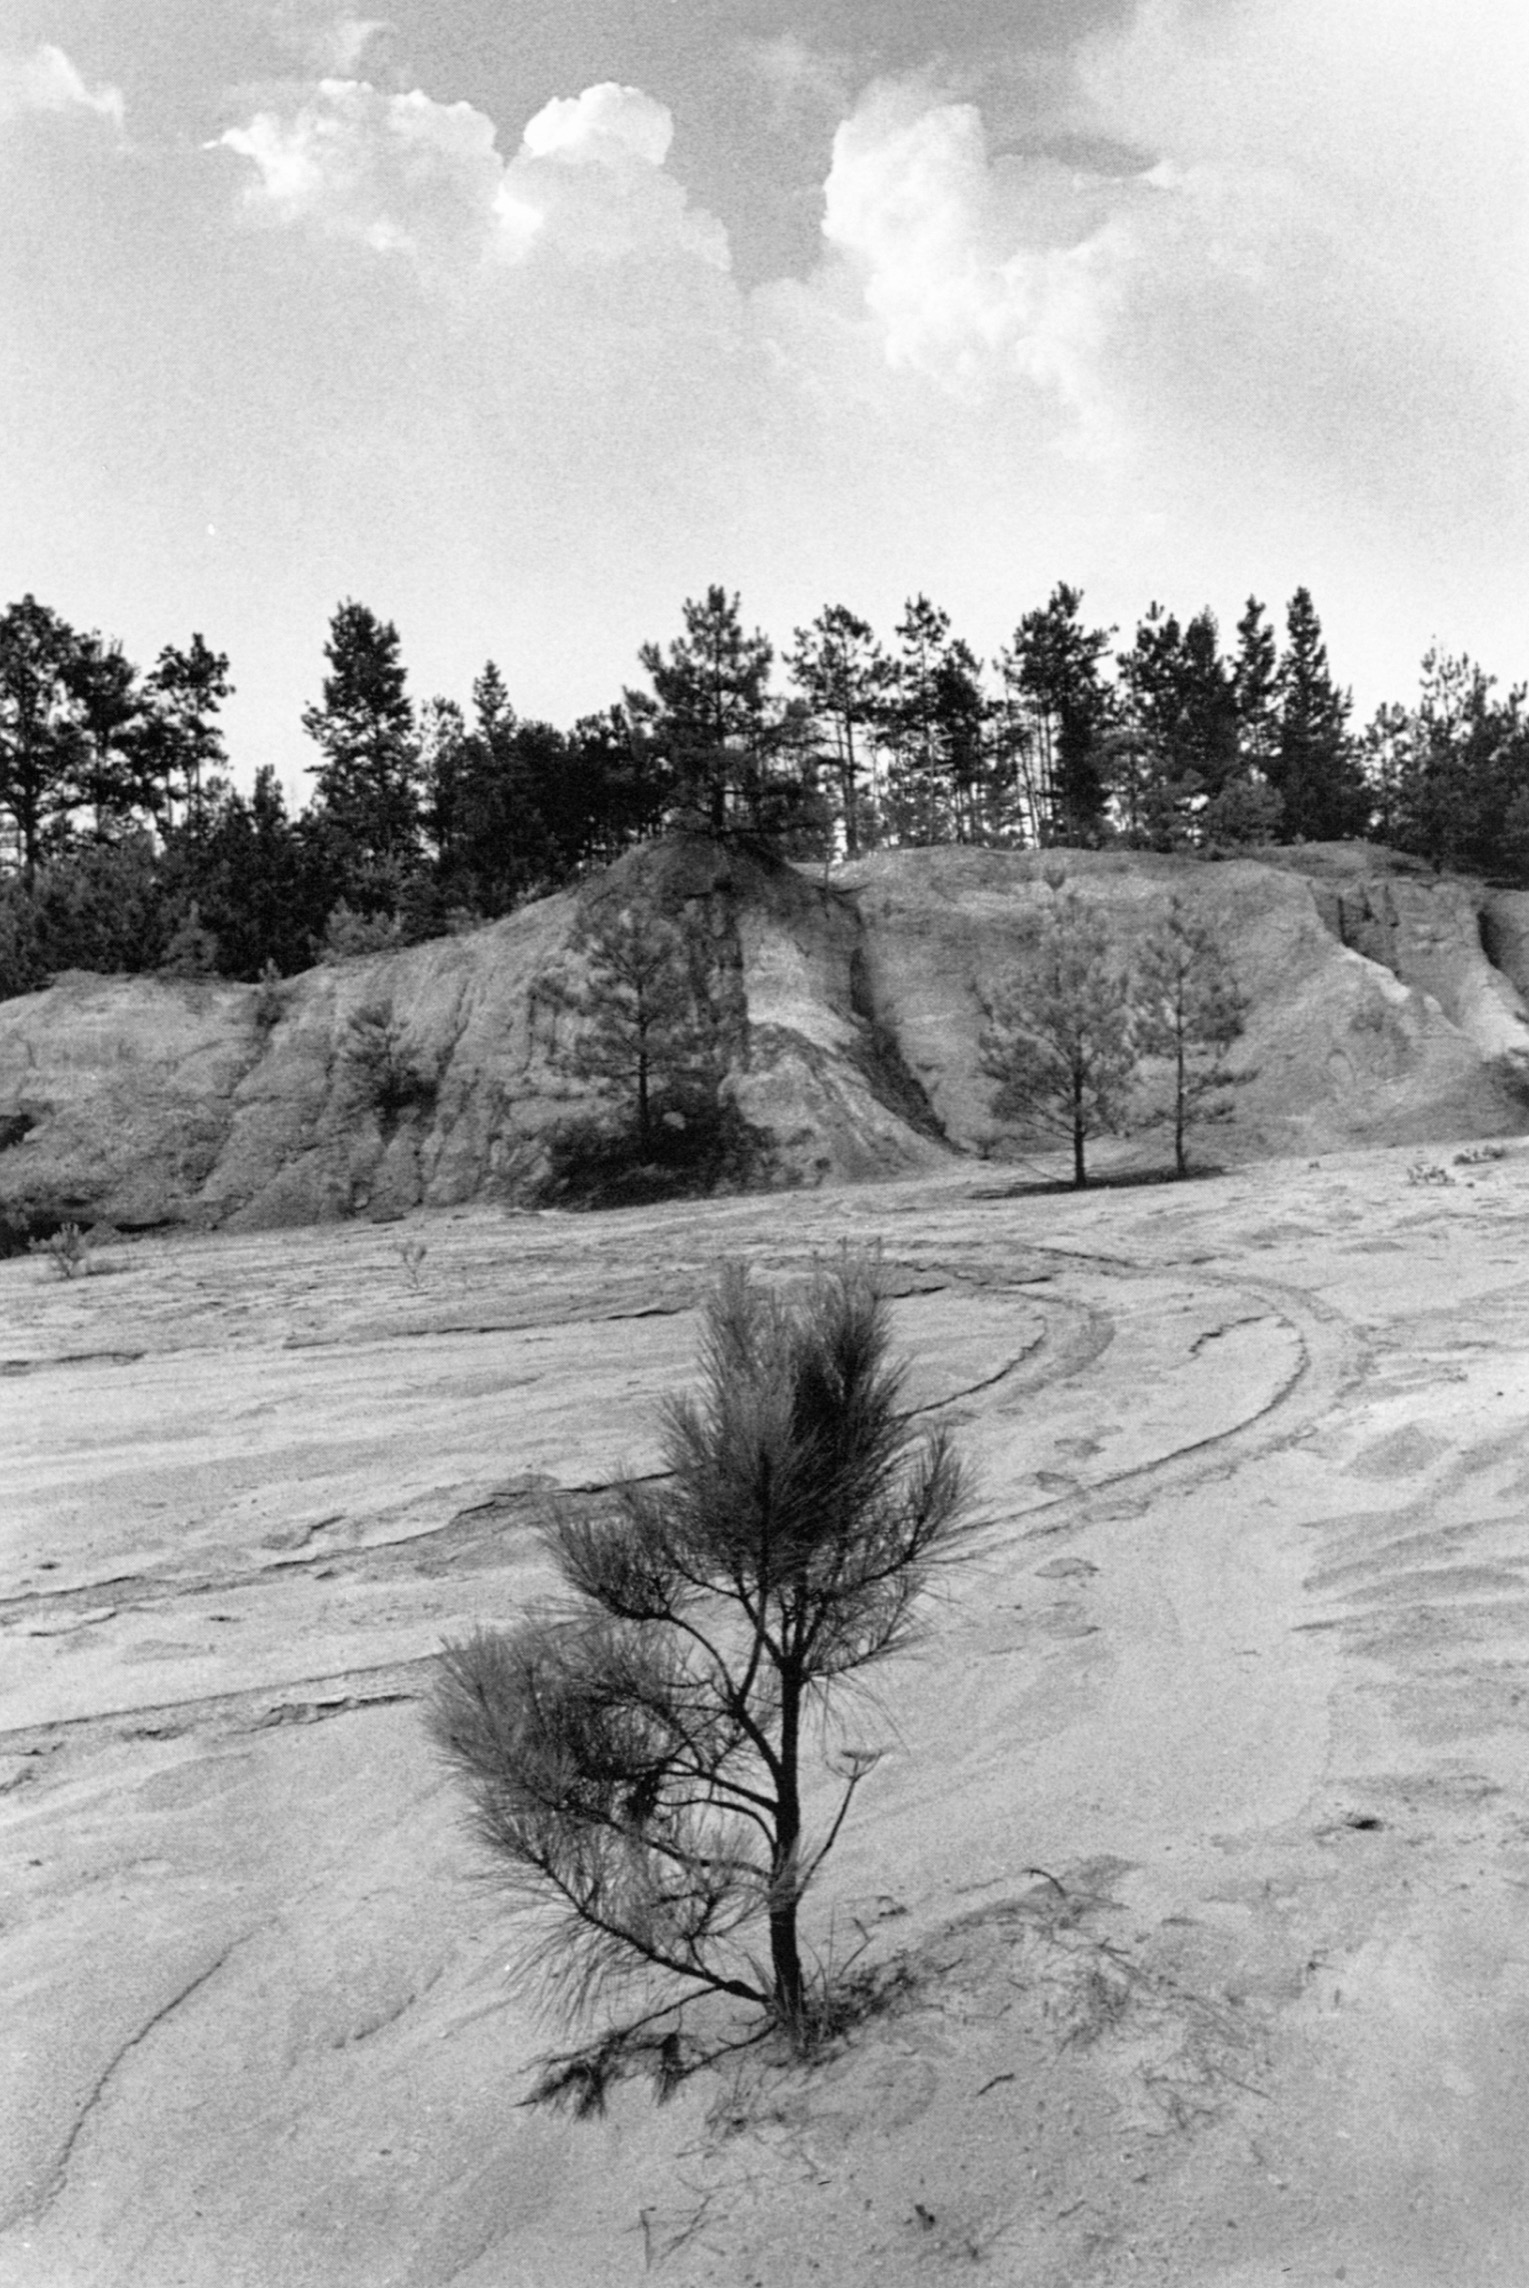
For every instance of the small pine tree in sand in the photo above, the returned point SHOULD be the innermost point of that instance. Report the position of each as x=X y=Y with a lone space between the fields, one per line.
x=1189 y=1011
x=1058 y=1037
x=636 y=1757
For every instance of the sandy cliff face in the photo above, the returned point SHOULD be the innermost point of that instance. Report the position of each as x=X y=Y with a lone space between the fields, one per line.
x=1386 y=1006
x=1375 y=1013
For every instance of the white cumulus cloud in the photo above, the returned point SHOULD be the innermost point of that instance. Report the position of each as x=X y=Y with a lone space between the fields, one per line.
x=971 y=267
x=608 y=124
x=404 y=173
x=46 y=80
x=392 y=171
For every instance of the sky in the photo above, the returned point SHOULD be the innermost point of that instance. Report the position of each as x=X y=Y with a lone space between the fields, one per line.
x=523 y=320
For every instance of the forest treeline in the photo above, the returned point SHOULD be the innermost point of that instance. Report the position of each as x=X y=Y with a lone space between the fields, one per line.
x=126 y=845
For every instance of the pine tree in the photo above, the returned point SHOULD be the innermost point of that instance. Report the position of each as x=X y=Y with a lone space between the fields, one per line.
x=917 y=802
x=367 y=786
x=1255 y=689
x=1385 y=751
x=636 y=1760
x=842 y=674
x=181 y=745
x=1189 y=1010
x=711 y=709
x=1053 y=668
x=41 y=743
x=1058 y=1035
x=1450 y=761
x=110 y=707
x=962 y=716
x=1316 y=771
x=645 y=1029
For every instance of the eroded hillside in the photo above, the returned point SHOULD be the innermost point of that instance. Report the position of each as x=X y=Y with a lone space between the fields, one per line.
x=1386 y=1005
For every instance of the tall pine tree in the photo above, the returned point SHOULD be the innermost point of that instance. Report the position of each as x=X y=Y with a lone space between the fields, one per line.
x=1316 y=769
x=367 y=791
x=842 y=674
x=1053 y=670
x=711 y=712
x=41 y=742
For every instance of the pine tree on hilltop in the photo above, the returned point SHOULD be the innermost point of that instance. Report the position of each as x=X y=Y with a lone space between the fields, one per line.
x=41 y=743
x=842 y=673
x=711 y=712
x=367 y=790
x=1316 y=769
x=1054 y=670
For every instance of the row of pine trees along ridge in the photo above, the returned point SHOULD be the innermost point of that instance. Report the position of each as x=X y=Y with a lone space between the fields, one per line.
x=125 y=844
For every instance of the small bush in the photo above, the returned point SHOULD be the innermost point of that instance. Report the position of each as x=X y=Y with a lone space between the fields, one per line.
x=270 y=1002
x=385 y=1076
x=68 y=1249
x=347 y=934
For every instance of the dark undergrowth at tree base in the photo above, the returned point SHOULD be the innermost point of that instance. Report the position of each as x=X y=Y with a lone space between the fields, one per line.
x=1122 y=1180
x=24 y=1230
x=690 y=1152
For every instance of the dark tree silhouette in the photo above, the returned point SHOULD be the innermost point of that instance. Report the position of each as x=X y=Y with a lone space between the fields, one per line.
x=1053 y=669
x=109 y=711
x=711 y=712
x=635 y=1758
x=367 y=790
x=180 y=744
x=842 y=674
x=1316 y=770
x=41 y=743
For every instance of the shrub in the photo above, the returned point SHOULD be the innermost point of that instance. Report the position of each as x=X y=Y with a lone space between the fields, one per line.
x=385 y=1076
x=68 y=1249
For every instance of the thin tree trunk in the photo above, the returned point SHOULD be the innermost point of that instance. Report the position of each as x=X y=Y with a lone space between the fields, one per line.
x=644 y=1110
x=851 y=824
x=785 y=1954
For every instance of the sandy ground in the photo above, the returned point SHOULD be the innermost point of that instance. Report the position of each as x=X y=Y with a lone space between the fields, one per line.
x=1243 y=1668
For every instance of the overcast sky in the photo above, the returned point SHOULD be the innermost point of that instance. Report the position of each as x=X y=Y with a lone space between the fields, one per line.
x=521 y=322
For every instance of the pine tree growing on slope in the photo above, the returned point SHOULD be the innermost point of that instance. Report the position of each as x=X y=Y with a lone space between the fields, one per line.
x=645 y=1029
x=1189 y=1010
x=1058 y=1036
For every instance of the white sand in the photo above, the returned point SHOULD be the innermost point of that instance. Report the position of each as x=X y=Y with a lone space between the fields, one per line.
x=1255 y=1452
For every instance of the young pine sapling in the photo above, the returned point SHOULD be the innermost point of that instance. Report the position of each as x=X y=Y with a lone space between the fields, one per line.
x=637 y=1758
